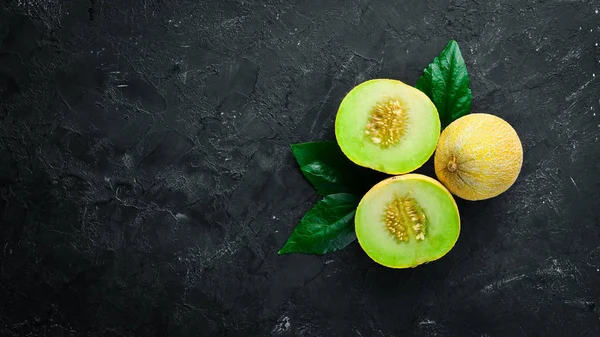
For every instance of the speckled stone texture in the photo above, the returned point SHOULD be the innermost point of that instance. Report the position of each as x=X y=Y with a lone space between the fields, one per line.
x=146 y=180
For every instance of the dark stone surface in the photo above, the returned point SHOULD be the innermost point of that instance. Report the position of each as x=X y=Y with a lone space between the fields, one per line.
x=146 y=181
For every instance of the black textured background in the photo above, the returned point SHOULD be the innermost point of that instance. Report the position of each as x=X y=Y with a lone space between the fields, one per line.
x=146 y=181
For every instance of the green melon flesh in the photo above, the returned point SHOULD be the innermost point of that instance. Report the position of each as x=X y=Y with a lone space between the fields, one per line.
x=414 y=148
x=437 y=203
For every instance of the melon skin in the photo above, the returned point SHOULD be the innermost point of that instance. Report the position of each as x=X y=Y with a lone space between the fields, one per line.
x=421 y=135
x=479 y=156
x=442 y=232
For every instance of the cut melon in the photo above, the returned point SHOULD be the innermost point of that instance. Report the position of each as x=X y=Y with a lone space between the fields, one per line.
x=407 y=220
x=387 y=126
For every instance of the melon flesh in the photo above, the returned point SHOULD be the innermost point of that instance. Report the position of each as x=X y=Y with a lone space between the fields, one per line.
x=420 y=132
x=442 y=230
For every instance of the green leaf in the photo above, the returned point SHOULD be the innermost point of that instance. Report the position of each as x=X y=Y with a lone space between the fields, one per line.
x=327 y=168
x=328 y=227
x=446 y=82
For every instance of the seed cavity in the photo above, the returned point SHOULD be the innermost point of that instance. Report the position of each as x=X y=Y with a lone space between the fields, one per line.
x=387 y=123
x=402 y=216
x=395 y=221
